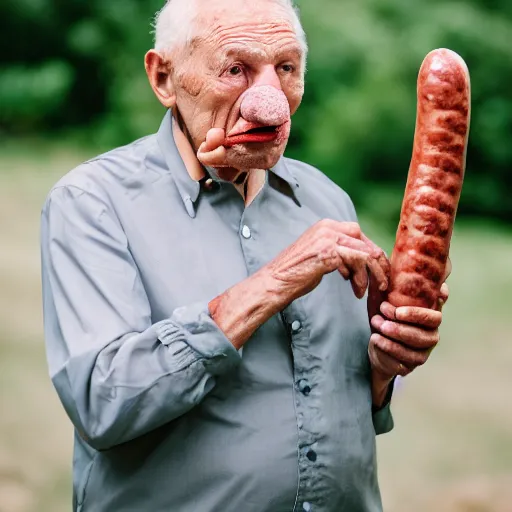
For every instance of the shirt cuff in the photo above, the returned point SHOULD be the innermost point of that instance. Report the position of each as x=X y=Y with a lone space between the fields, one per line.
x=382 y=417
x=192 y=334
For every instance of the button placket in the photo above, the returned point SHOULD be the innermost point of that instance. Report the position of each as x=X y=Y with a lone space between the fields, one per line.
x=305 y=405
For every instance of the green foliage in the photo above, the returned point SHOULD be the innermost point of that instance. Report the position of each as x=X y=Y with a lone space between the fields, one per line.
x=74 y=64
x=29 y=94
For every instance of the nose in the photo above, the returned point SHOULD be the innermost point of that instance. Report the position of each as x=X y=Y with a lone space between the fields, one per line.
x=265 y=104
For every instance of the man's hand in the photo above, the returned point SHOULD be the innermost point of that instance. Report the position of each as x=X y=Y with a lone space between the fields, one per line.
x=326 y=247
x=212 y=153
x=403 y=339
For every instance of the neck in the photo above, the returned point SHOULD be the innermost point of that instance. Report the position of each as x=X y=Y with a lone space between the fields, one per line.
x=248 y=183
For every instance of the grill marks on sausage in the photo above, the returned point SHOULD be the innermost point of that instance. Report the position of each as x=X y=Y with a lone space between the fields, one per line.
x=413 y=286
x=445 y=143
x=446 y=163
x=454 y=122
x=435 y=176
x=434 y=183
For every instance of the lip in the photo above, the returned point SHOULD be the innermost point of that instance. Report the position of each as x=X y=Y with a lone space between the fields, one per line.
x=239 y=133
x=242 y=126
x=245 y=138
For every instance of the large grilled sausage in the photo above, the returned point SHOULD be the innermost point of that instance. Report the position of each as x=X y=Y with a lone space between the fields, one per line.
x=434 y=184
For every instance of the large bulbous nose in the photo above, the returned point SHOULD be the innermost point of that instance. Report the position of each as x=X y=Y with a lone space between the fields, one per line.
x=264 y=104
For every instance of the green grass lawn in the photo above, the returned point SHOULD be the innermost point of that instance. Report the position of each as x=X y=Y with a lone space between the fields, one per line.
x=451 y=450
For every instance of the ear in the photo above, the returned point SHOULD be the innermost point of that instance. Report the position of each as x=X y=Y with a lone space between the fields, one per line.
x=159 y=70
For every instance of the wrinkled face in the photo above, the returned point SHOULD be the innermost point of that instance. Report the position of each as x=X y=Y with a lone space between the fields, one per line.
x=242 y=73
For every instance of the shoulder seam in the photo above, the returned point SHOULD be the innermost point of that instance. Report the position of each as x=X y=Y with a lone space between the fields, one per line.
x=82 y=192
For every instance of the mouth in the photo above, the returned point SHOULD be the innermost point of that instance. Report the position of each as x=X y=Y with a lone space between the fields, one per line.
x=254 y=134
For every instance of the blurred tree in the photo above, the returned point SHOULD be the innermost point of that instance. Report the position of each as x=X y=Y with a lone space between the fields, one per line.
x=77 y=63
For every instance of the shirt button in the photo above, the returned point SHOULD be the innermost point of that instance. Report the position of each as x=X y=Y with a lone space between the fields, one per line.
x=311 y=455
x=246 y=232
x=296 y=326
x=304 y=387
x=306 y=506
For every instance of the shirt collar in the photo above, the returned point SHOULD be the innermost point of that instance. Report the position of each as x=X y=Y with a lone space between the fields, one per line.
x=189 y=188
x=282 y=170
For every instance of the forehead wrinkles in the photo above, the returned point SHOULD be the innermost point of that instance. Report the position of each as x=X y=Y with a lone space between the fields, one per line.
x=267 y=34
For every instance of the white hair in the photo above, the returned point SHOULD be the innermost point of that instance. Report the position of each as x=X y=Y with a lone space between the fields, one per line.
x=174 y=24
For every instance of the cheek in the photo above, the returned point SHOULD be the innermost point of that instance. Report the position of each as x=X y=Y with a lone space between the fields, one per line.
x=224 y=97
x=284 y=134
x=190 y=83
x=294 y=92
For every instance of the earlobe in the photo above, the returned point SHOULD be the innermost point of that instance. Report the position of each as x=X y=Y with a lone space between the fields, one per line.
x=158 y=70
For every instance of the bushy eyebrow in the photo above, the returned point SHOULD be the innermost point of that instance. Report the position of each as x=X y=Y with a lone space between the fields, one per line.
x=255 y=54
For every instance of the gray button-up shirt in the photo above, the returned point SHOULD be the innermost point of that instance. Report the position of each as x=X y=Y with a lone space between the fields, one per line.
x=168 y=415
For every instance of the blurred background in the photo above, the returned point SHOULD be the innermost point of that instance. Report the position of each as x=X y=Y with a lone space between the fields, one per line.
x=72 y=84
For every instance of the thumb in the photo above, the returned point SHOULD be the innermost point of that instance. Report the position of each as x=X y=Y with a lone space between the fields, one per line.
x=214 y=139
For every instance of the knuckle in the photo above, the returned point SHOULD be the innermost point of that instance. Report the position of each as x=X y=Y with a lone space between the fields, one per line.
x=325 y=224
x=324 y=233
x=380 y=342
x=352 y=229
x=389 y=329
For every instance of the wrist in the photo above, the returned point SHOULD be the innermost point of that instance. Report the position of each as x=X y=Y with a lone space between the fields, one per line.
x=380 y=388
x=246 y=306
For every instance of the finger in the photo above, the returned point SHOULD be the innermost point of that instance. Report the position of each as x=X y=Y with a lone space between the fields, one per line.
x=385 y=364
x=378 y=273
x=407 y=356
x=214 y=138
x=359 y=280
x=388 y=310
x=375 y=268
x=380 y=256
x=377 y=321
x=357 y=262
x=381 y=266
x=344 y=271
x=377 y=252
x=448 y=269
x=215 y=158
x=426 y=318
x=443 y=296
x=352 y=243
x=408 y=335
x=351 y=229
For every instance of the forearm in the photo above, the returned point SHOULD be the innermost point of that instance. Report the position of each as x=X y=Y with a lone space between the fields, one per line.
x=242 y=309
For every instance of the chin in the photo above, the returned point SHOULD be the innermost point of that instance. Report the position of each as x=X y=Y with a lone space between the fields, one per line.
x=255 y=156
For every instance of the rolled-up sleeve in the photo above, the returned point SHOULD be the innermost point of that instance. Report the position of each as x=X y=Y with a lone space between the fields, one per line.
x=118 y=375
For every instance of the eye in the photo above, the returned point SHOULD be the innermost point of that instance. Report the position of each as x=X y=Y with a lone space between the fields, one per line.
x=287 y=68
x=235 y=70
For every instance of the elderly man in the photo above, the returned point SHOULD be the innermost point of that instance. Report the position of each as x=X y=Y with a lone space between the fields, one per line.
x=205 y=305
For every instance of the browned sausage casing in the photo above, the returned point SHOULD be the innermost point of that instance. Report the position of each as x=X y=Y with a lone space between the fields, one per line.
x=434 y=184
